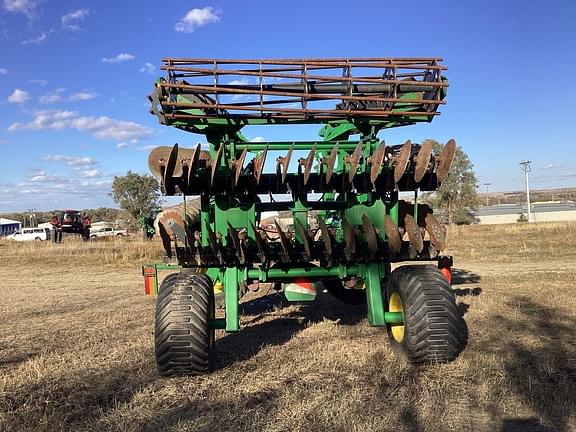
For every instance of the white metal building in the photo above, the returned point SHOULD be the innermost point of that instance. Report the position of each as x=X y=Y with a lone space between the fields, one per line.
x=9 y=226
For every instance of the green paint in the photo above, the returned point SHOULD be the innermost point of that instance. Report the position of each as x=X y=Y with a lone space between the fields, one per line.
x=374 y=295
x=231 y=284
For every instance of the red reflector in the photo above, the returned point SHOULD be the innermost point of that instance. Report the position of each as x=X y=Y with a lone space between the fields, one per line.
x=447 y=274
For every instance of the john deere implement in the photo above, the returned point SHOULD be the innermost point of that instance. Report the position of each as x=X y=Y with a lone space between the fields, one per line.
x=346 y=223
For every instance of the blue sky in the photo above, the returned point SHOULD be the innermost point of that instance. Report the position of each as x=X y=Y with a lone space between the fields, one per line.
x=74 y=76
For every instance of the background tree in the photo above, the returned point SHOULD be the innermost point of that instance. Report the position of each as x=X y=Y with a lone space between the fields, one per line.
x=456 y=197
x=136 y=194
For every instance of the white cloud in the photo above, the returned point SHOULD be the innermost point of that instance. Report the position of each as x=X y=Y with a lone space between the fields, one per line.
x=52 y=97
x=104 y=128
x=25 y=7
x=36 y=40
x=92 y=173
x=58 y=96
x=3 y=141
x=3 y=71
x=120 y=58
x=122 y=144
x=18 y=96
x=197 y=18
x=258 y=139
x=82 y=96
x=148 y=67
x=70 y=20
x=39 y=176
x=71 y=160
x=39 y=82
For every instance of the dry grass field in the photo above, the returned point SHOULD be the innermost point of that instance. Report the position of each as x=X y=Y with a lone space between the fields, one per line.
x=76 y=348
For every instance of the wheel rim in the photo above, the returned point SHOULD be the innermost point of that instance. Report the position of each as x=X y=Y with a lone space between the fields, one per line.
x=395 y=305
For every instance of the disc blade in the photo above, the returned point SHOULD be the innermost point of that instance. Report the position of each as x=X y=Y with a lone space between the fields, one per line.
x=166 y=240
x=259 y=164
x=402 y=161
x=308 y=164
x=423 y=160
x=284 y=242
x=305 y=238
x=193 y=164
x=286 y=164
x=354 y=161
x=413 y=231
x=238 y=248
x=445 y=160
x=214 y=164
x=392 y=233
x=169 y=183
x=436 y=232
x=370 y=235
x=262 y=248
x=376 y=162
x=237 y=166
x=326 y=237
x=349 y=239
x=158 y=158
x=331 y=163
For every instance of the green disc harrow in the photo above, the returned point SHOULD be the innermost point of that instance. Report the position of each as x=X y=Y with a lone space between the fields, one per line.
x=337 y=223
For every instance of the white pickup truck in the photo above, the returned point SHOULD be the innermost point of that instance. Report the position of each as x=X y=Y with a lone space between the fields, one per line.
x=107 y=232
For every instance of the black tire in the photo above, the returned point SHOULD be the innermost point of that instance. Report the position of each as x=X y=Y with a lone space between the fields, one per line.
x=432 y=332
x=168 y=280
x=183 y=337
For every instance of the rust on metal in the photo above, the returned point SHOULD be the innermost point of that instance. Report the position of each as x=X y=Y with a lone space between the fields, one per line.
x=376 y=163
x=370 y=235
x=349 y=239
x=308 y=164
x=326 y=238
x=361 y=87
x=214 y=164
x=259 y=161
x=306 y=241
x=436 y=231
x=283 y=163
x=445 y=160
x=166 y=239
x=238 y=246
x=330 y=162
x=285 y=256
x=354 y=161
x=423 y=160
x=261 y=244
x=392 y=233
x=414 y=234
x=237 y=166
x=193 y=164
x=401 y=161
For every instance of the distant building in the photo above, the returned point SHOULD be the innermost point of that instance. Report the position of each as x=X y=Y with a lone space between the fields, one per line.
x=512 y=213
x=8 y=226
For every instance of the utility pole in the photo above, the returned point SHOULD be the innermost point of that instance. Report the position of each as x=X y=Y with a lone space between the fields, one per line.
x=487 y=199
x=525 y=165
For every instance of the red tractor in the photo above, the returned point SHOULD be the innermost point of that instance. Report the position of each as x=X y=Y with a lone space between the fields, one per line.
x=75 y=222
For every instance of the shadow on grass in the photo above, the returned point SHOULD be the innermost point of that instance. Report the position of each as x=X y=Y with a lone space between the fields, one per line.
x=464 y=277
x=76 y=399
x=271 y=329
x=542 y=374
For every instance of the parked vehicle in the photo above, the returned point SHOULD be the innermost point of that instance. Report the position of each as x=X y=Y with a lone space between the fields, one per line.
x=31 y=234
x=107 y=232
